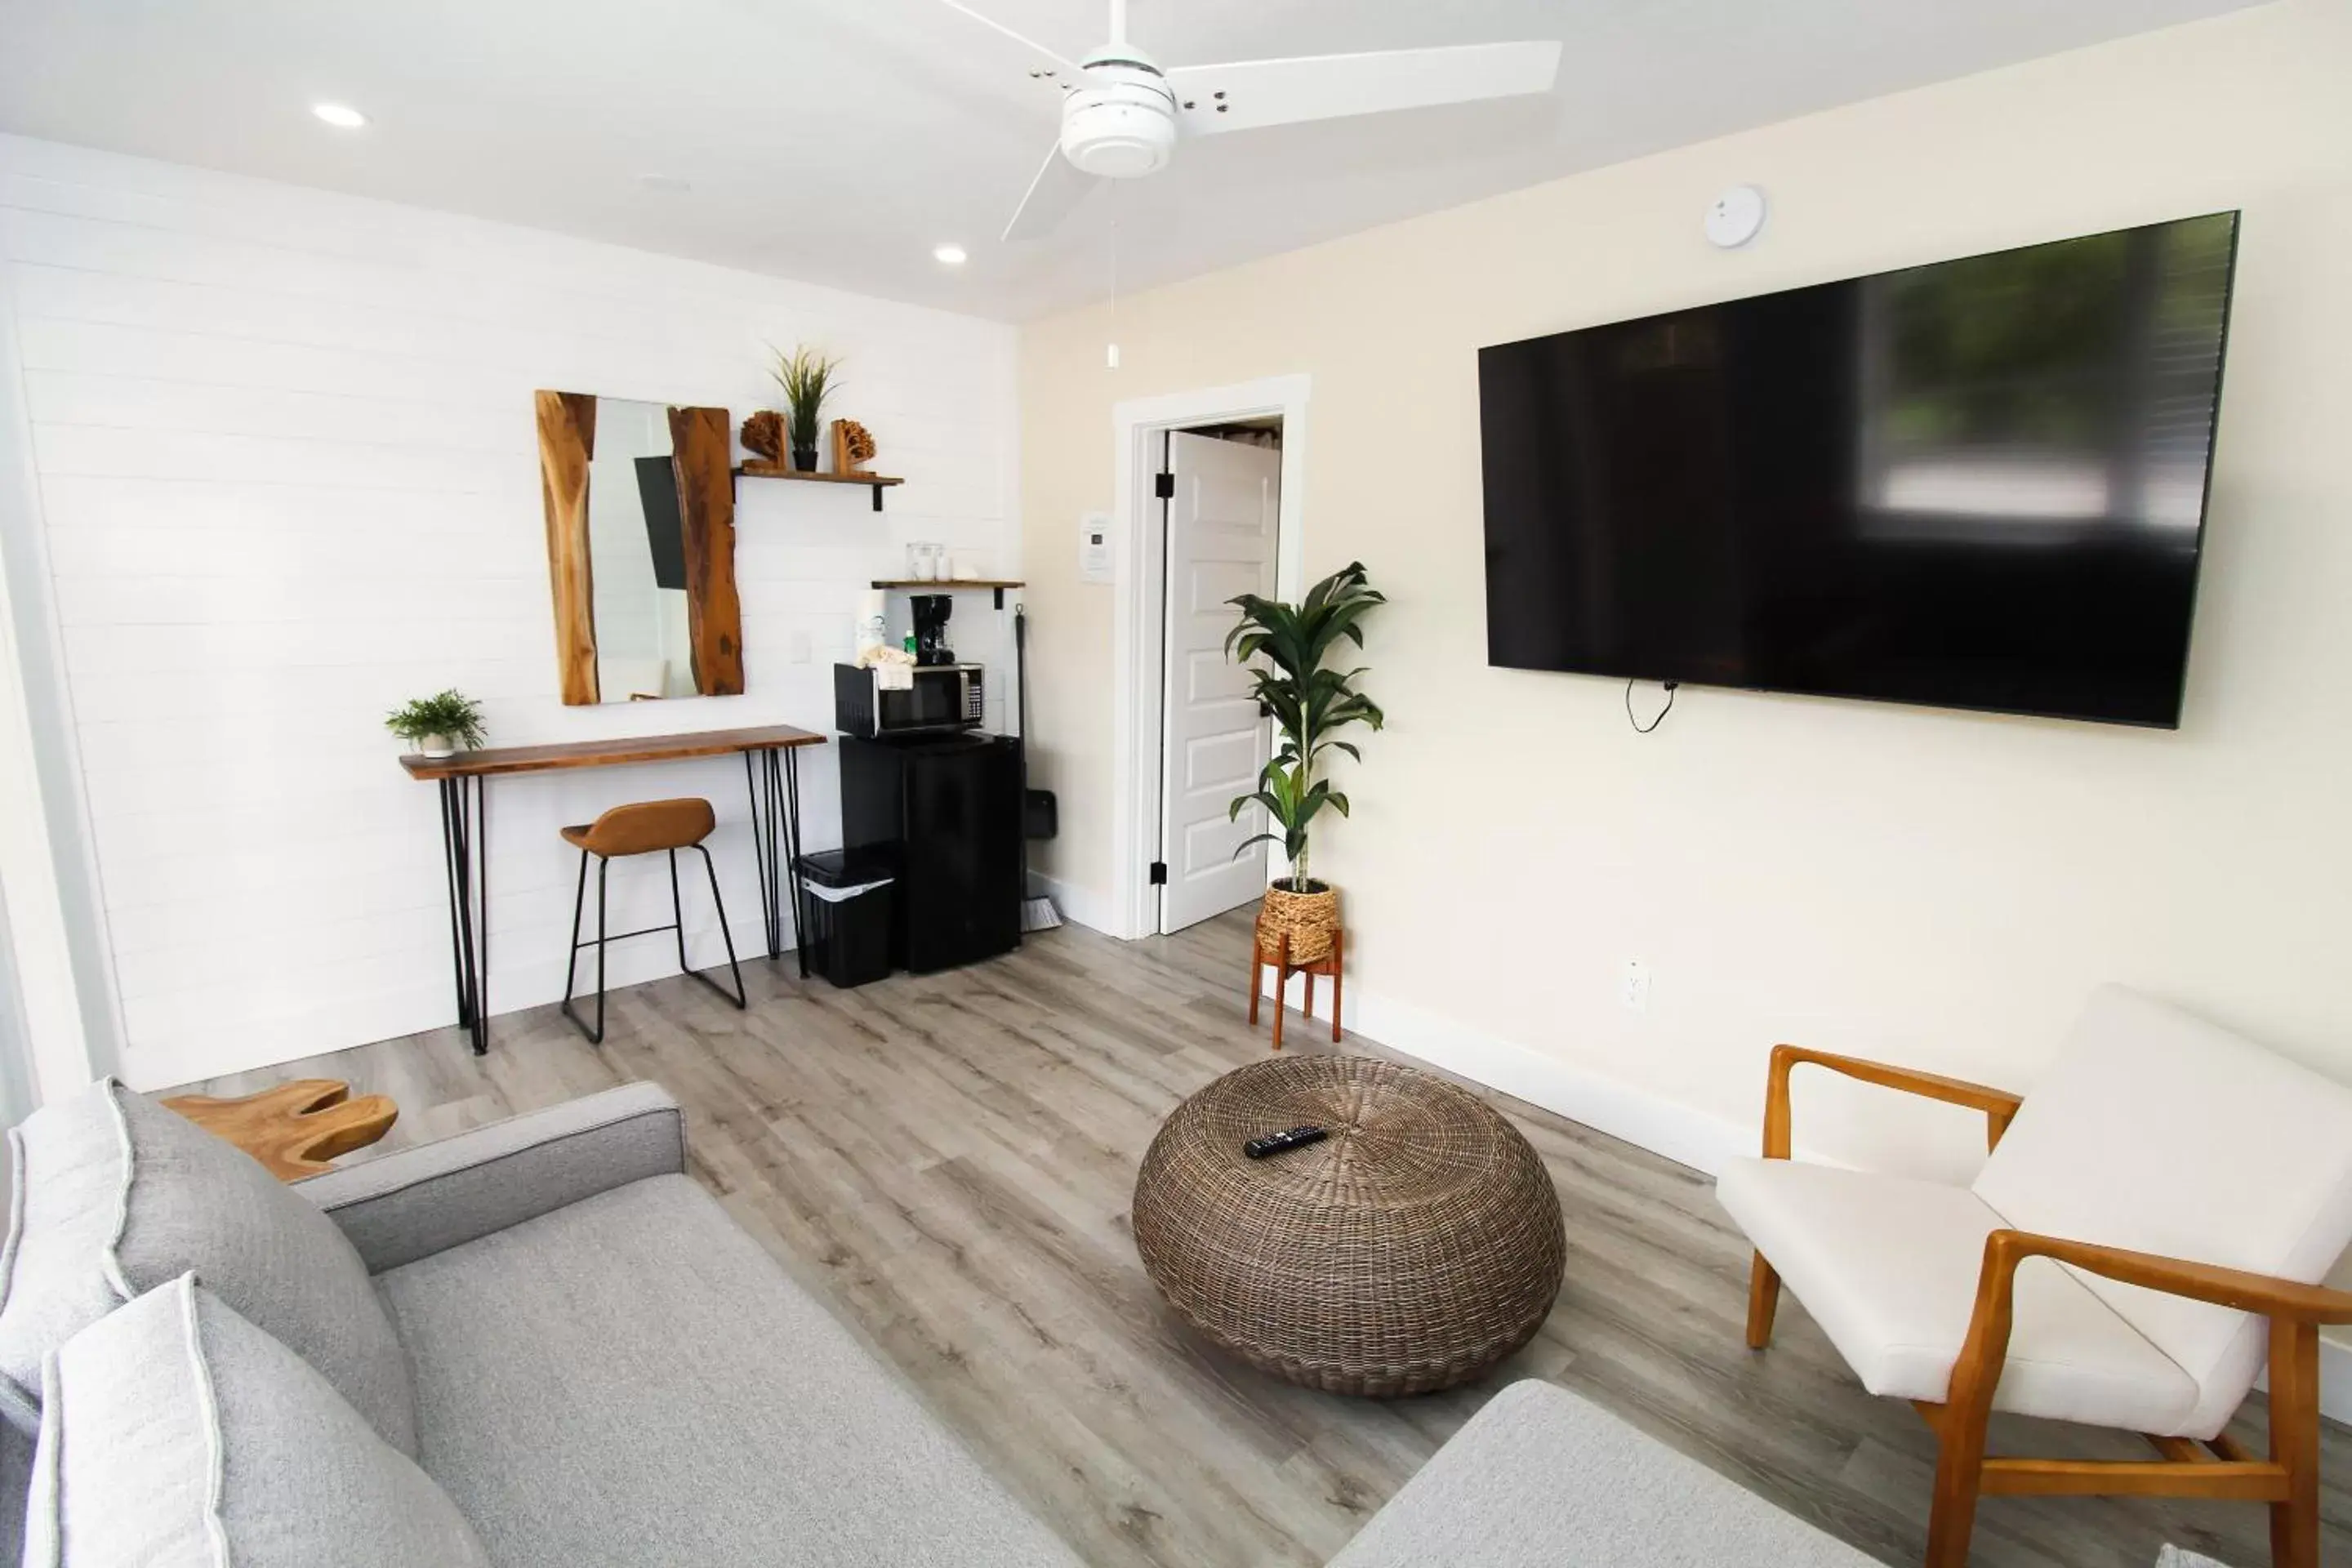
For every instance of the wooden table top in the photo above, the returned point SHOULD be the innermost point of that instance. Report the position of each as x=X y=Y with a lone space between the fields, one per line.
x=608 y=752
x=295 y=1129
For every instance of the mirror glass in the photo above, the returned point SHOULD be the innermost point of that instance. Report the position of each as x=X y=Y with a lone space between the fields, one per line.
x=637 y=556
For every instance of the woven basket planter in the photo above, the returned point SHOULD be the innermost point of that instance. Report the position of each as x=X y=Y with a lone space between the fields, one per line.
x=1413 y=1248
x=1311 y=919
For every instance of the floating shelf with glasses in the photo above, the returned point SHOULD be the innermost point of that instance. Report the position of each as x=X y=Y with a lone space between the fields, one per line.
x=950 y=584
x=758 y=470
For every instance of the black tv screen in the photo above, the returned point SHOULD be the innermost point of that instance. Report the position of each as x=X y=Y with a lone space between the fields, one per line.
x=1980 y=484
x=665 y=524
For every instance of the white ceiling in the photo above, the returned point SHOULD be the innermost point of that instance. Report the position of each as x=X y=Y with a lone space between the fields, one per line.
x=839 y=143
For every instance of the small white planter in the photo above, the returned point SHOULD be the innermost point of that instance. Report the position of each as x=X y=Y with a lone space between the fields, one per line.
x=435 y=746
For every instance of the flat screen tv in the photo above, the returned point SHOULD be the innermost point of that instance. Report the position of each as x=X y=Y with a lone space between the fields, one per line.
x=1980 y=484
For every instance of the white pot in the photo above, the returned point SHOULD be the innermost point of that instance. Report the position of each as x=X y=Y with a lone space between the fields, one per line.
x=435 y=746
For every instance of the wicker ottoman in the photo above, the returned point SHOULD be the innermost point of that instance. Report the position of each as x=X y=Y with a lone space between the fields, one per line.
x=1412 y=1250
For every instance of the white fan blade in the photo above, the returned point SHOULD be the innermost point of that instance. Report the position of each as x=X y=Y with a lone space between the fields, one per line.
x=1251 y=93
x=1059 y=187
x=1031 y=44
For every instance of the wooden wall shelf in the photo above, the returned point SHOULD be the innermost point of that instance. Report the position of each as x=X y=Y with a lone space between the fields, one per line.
x=950 y=584
x=877 y=483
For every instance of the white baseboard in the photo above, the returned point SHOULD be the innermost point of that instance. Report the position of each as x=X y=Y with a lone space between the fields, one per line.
x=1082 y=906
x=1642 y=1117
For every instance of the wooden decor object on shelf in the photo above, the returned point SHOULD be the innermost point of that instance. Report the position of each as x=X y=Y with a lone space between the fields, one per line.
x=852 y=446
x=1275 y=940
x=567 y=440
x=706 y=498
x=296 y=1128
x=763 y=433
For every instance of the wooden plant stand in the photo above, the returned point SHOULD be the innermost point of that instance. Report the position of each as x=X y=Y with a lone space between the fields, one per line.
x=1283 y=968
x=296 y=1128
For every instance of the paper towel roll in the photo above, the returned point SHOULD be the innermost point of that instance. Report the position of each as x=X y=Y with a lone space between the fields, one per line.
x=872 y=602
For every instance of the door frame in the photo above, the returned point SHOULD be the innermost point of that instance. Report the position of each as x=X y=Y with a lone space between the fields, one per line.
x=1138 y=616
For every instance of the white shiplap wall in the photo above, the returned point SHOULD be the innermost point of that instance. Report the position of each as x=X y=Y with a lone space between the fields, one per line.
x=288 y=467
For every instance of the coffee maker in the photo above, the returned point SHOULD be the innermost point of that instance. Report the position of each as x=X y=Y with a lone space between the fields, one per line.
x=931 y=612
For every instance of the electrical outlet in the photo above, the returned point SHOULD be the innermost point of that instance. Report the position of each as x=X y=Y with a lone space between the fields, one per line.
x=801 y=649
x=1634 y=986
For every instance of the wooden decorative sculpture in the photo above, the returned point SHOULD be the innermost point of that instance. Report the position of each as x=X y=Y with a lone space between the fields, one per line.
x=763 y=433
x=852 y=446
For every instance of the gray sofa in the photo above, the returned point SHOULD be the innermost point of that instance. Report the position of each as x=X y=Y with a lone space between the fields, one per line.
x=608 y=1370
x=583 y=1354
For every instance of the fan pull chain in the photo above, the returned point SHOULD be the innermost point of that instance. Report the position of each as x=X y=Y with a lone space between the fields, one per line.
x=1111 y=355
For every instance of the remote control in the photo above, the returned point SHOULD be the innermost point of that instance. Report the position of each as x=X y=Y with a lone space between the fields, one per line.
x=1275 y=1143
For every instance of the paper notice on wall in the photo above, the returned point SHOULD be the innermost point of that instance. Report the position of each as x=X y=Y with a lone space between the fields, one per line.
x=1094 y=548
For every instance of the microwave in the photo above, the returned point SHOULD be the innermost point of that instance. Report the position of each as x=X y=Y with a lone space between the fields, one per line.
x=944 y=697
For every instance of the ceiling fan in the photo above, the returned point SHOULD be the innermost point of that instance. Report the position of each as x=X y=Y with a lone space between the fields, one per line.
x=1122 y=114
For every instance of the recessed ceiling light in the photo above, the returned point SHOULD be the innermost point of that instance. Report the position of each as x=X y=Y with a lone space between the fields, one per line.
x=668 y=185
x=949 y=255
x=341 y=115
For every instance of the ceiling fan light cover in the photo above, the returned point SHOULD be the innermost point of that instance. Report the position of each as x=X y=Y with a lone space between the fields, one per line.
x=1117 y=132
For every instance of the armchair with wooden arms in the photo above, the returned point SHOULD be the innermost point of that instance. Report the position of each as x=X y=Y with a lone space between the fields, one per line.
x=2153 y=1216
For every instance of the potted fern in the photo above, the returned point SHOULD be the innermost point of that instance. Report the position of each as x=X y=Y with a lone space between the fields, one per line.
x=438 y=725
x=1309 y=703
x=808 y=378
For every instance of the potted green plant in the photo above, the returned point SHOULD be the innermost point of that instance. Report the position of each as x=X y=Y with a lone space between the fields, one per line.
x=438 y=725
x=1308 y=703
x=808 y=378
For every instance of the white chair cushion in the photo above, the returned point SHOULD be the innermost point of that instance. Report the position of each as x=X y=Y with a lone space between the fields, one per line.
x=2159 y=1132
x=1888 y=1267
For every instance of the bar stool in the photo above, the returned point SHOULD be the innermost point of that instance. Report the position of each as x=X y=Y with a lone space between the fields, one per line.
x=667 y=826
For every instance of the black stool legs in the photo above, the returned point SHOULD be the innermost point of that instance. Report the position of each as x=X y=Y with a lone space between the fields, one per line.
x=678 y=912
x=677 y=923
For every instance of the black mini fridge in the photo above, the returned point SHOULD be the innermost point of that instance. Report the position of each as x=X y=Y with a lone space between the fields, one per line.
x=947 y=809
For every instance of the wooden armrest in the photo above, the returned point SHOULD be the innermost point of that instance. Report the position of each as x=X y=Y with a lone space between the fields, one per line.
x=2263 y=1293
x=2293 y=1308
x=1997 y=1104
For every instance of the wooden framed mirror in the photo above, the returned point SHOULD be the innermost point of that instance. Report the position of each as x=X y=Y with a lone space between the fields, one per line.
x=640 y=503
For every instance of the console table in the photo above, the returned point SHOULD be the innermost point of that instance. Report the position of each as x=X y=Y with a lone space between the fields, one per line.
x=770 y=777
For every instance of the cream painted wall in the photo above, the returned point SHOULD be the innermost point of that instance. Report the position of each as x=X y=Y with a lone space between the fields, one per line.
x=1934 y=887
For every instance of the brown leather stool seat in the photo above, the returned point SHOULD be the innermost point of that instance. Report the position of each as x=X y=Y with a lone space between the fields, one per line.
x=648 y=828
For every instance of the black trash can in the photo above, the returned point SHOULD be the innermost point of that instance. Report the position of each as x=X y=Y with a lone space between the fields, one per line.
x=846 y=893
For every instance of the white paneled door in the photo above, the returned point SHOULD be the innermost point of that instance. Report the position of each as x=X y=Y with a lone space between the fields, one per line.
x=1221 y=543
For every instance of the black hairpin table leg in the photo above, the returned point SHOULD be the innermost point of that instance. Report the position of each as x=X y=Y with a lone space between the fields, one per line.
x=466 y=859
x=756 y=774
x=791 y=763
x=772 y=779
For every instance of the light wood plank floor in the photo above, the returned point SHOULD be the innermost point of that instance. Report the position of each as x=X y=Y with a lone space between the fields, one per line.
x=949 y=1159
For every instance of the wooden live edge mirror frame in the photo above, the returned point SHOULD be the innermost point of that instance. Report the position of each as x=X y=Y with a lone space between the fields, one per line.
x=655 y=562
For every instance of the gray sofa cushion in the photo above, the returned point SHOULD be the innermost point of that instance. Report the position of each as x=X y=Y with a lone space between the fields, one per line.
x=175 y=1433
x=1539 y=1478
x=115 y=1195
x=632 y=1380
